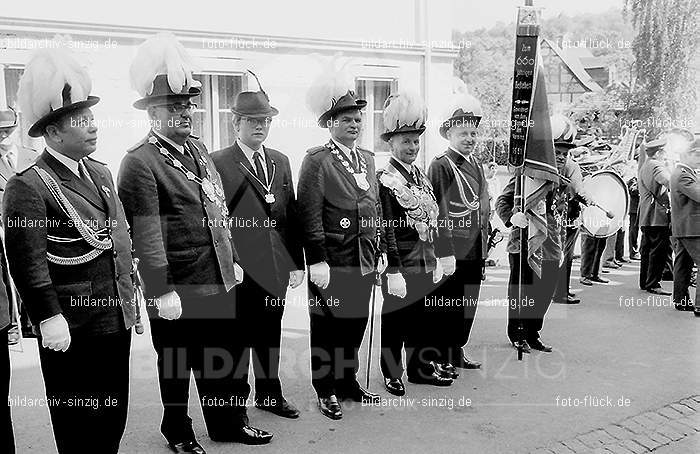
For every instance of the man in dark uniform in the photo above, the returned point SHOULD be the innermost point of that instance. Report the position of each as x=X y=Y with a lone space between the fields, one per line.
x=685 y=224
x=6 y=432
x=339 y=210
x=70 y=256
x=409 y=213
x=174 y=202
x=462 y=195
x=537 y=291
x=257 y=182
x=654 y=218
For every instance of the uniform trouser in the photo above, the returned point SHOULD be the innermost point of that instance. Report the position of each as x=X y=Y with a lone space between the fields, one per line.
x=687 y=253
x=87 y=391
x=456 y=319
x=211 y=349
x=562 y=291
x=591 y=253
x=615 y=246
x=536 y=297
x=7 y=438
x=260 y=311
x=406 y=323
x=338 y=317
x=655 y=250
x=633 y=235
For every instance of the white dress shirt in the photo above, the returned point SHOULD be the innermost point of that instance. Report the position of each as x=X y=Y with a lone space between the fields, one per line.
x=249 y=152
x=71 y=163
x=347 y=151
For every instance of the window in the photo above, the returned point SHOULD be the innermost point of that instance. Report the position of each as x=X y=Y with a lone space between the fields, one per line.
x=10 y=76
x=212 y=119
x=375 y=92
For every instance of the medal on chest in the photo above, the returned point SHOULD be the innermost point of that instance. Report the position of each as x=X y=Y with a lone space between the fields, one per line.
x=269 y=197
x=361 y=176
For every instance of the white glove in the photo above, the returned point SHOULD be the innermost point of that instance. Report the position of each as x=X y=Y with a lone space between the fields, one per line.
x=437 y=272
x=449 y=264
x=382 y=264
x=320 y=274
x=296 y=277
x=238 y=273
x=169 y=306
x=55 y=333
x=519 y=220
x=396 y=285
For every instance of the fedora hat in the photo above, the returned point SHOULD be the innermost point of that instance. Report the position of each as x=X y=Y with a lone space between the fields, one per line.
x=37 y=129
x=253 y=104
x=163 y=94
x=346 y=103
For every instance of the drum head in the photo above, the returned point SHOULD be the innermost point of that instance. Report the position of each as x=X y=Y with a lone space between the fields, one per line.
x=607 y=189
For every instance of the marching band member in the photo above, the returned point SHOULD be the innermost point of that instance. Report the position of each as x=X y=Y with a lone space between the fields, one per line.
x=685 y=211
x=654 y=218
x=257 y=183
x=69 y=252
x=340 y=212
x=462 y=195
x=174 y=202
x=409 y=213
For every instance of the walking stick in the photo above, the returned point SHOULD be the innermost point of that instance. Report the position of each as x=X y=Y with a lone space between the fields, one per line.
x=373 y=298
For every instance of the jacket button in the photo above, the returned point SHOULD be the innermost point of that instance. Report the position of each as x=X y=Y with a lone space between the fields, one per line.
x=115 y=253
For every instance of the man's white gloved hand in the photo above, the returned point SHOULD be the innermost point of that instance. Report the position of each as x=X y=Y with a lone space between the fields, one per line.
x=396 y=285
x=320 y=274
x=382 y=263
x=449 y=264
x=55 y=333
x=437 y=272
x=519 y=220
x=169 y=306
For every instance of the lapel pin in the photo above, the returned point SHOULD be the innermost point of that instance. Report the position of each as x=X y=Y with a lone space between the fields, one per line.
x=107 y=191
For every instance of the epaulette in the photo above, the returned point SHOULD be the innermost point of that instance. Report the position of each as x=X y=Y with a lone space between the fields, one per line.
x=137 y=144
x=371 y=153
x=22 y=172
x=441 y=155
x=95 y=160
x=317 y=149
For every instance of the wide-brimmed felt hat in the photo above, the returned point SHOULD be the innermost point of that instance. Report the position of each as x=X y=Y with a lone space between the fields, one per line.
x=37 y=129
x=253 y=104
x=163 y=94
x=460 y=117
x=345 y=103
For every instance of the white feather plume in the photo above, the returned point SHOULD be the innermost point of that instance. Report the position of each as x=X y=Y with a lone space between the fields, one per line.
x=162 y=54
x=331 y=84
x=48 y=71
x=404 y=109
x=461 y=99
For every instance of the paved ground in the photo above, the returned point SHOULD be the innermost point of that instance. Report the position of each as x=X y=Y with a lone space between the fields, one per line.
x=619 y=348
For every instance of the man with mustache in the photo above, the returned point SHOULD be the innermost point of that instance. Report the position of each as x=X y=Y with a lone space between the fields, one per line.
x=69 y=252
x=462 y=194
x=174 y=202
x=339 y=213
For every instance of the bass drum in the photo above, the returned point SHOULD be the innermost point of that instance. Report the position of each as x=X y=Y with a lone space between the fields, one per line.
x=607 y=190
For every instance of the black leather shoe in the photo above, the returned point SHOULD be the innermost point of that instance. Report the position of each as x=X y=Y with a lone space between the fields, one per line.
x=586 y=281
x=251 y=436
x=697 y=312
x=571 y=294
x=525 y=346
x=466 y=363
x=330 y=407
x=600 y=280
x=658 y=291
x=684 y=307
x=279 y=406
x=445 y=370
x=622 y=260
x=434 y=379
x=538 y=345
x=395 y=386
x=187 y=446
x=357 y=394
x=567 y=300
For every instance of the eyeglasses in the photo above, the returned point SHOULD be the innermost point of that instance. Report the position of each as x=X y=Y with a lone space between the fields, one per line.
x=179 y=108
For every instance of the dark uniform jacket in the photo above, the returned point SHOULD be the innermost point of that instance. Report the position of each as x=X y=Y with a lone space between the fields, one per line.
x=407 y=253
x=5 y=291
x=458 y=235
x=653 y=194
x=266 y=235
x=95 y=297
x=685 y=202
x=180 y=236
x=339 y=219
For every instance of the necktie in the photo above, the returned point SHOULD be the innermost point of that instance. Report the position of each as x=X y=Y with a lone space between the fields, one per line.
x=84 y=176
x=355 y=160
x=257 y=159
